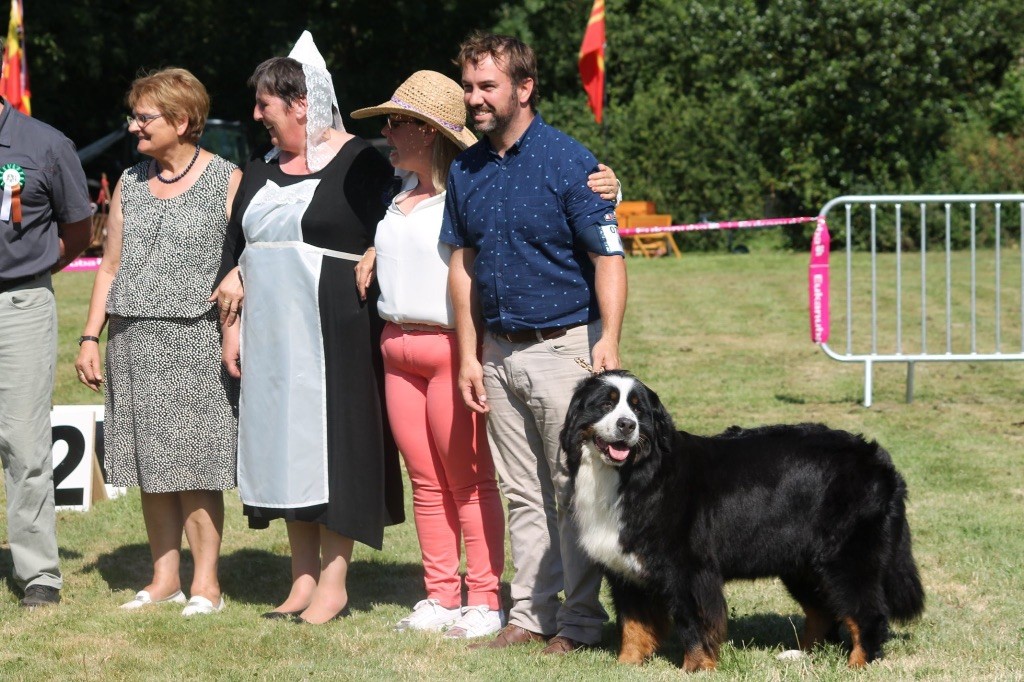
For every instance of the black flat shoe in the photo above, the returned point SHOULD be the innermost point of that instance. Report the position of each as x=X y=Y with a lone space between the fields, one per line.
x=280 y=615
x=344 y=613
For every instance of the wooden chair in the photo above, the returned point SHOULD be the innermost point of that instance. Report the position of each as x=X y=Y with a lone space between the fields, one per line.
x=652 y=244
x=629 y=208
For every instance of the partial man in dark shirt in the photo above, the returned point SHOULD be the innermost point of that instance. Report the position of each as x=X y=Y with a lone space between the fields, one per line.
x=538 y=277
x=45 y=222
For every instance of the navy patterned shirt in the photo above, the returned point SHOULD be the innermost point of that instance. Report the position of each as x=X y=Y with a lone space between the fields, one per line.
x=532 y=220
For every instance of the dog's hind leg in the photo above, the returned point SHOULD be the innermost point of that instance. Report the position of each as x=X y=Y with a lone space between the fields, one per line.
x=867 y=635
x=820 y=624
x=642 y=621
x=856 y=593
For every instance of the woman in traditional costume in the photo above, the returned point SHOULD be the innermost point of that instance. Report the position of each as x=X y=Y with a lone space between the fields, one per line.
x=314 y=447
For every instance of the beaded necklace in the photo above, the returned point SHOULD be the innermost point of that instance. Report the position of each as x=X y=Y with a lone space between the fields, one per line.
x=180 y=175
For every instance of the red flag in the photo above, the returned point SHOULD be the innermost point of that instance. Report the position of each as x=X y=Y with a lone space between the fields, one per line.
x=592 y=60
x=14 y=73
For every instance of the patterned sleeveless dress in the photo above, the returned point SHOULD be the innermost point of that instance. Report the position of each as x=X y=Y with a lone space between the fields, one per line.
x=170 y=420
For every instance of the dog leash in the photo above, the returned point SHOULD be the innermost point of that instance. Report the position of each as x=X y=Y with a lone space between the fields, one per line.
x=586 y=365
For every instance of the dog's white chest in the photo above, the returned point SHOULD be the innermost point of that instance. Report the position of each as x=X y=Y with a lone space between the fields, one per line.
x=597 y=510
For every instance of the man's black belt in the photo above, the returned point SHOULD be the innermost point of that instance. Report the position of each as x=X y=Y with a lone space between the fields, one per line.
x=8 y=284
x=534 y=335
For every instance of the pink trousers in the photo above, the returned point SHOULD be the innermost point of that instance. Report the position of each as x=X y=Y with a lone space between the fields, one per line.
x=455 y=494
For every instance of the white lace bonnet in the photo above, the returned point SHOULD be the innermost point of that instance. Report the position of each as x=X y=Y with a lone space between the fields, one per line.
x=322 y=111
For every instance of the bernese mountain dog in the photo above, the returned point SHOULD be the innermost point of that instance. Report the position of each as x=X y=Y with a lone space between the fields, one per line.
x=671 y=516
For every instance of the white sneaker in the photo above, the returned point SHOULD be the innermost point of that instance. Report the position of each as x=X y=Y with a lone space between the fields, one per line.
x=428 y=615
x=476 y=621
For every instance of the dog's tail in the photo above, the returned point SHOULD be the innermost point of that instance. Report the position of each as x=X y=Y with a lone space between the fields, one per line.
x=902 y=583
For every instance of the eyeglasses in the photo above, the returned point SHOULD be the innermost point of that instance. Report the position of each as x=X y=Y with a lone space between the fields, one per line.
x=396 y=122
x=141 y=119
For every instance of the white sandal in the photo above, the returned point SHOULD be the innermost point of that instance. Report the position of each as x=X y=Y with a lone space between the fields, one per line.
x=201 y=606
x=143 y=598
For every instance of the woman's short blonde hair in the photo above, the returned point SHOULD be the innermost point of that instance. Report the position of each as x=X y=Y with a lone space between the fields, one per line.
x=177 y=94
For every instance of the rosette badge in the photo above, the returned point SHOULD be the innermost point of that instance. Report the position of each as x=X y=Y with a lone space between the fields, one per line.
x=12 y=177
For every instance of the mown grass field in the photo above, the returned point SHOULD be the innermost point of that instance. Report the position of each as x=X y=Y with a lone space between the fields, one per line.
x=724 y=340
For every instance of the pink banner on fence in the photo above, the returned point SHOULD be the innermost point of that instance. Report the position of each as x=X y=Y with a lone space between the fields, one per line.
x=83 y=265
x=817 y=283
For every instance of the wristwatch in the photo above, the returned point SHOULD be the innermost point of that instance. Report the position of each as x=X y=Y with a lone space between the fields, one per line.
x=83 y=339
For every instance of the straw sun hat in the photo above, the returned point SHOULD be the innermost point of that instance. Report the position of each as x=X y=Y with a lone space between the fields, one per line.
x=431 y=97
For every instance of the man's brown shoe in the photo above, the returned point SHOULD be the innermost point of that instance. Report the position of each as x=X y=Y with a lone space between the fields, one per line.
x=510 y=635
x=562 y=645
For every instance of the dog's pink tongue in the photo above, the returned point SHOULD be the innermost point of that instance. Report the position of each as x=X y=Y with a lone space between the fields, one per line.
x=617 y=452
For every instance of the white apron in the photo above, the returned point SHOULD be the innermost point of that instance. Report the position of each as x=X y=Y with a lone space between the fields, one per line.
x=282 y=410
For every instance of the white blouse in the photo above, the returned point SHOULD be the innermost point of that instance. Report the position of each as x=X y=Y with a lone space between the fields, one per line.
x=412 y=264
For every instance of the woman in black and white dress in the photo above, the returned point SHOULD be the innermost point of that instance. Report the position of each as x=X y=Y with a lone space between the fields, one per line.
x=314 y=447
x=170 y=417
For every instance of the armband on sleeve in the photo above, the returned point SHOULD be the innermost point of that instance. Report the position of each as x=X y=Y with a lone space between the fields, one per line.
x=603 y=238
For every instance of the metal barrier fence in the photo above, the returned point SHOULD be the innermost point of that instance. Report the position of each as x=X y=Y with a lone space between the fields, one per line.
x=911 y=295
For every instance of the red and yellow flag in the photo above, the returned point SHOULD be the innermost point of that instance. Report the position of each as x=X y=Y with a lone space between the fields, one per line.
x=14 y=74
x=592 y=60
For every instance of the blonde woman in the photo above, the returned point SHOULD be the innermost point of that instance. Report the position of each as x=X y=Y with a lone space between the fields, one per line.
x=455 y=494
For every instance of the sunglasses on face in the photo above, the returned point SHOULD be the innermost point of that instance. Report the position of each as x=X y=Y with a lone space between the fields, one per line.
x=399 y=121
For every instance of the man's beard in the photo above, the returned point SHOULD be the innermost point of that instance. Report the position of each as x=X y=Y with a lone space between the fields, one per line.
x=498 y=123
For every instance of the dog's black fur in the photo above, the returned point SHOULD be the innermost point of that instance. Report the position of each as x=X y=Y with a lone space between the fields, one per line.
x=821 y=509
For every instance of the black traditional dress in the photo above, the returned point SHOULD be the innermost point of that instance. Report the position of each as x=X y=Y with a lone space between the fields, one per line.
x=313 y=443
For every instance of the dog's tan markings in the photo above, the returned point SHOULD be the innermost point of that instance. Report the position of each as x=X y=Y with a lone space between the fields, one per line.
x=697 y=659
x=858 y=657
x=639 y=640
x=817 y=623
x=613 y=395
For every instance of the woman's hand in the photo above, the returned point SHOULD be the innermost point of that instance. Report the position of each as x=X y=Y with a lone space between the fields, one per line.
x=365 y=272
x=604 y=183
x=230 y=351
x=228 y=296
x=88 y=365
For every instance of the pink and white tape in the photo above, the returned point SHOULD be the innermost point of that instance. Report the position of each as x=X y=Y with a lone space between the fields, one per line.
x=727 y=225
x=83 y=265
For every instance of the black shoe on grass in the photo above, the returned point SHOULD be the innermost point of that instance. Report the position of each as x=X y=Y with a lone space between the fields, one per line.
x=40 y=595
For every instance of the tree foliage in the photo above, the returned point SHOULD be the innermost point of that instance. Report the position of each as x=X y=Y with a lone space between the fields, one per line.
x=84 y=55
x=722 y=110
x=736 y=110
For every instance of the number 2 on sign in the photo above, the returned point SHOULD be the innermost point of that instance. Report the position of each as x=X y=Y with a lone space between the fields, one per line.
x=75 y=441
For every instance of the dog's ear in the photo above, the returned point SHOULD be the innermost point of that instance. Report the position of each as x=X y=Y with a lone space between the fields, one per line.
x=664 y=427
x=574 y=420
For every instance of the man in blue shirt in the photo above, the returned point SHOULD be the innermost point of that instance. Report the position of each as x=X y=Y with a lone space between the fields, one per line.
x=538 y=278
x=45 y=221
